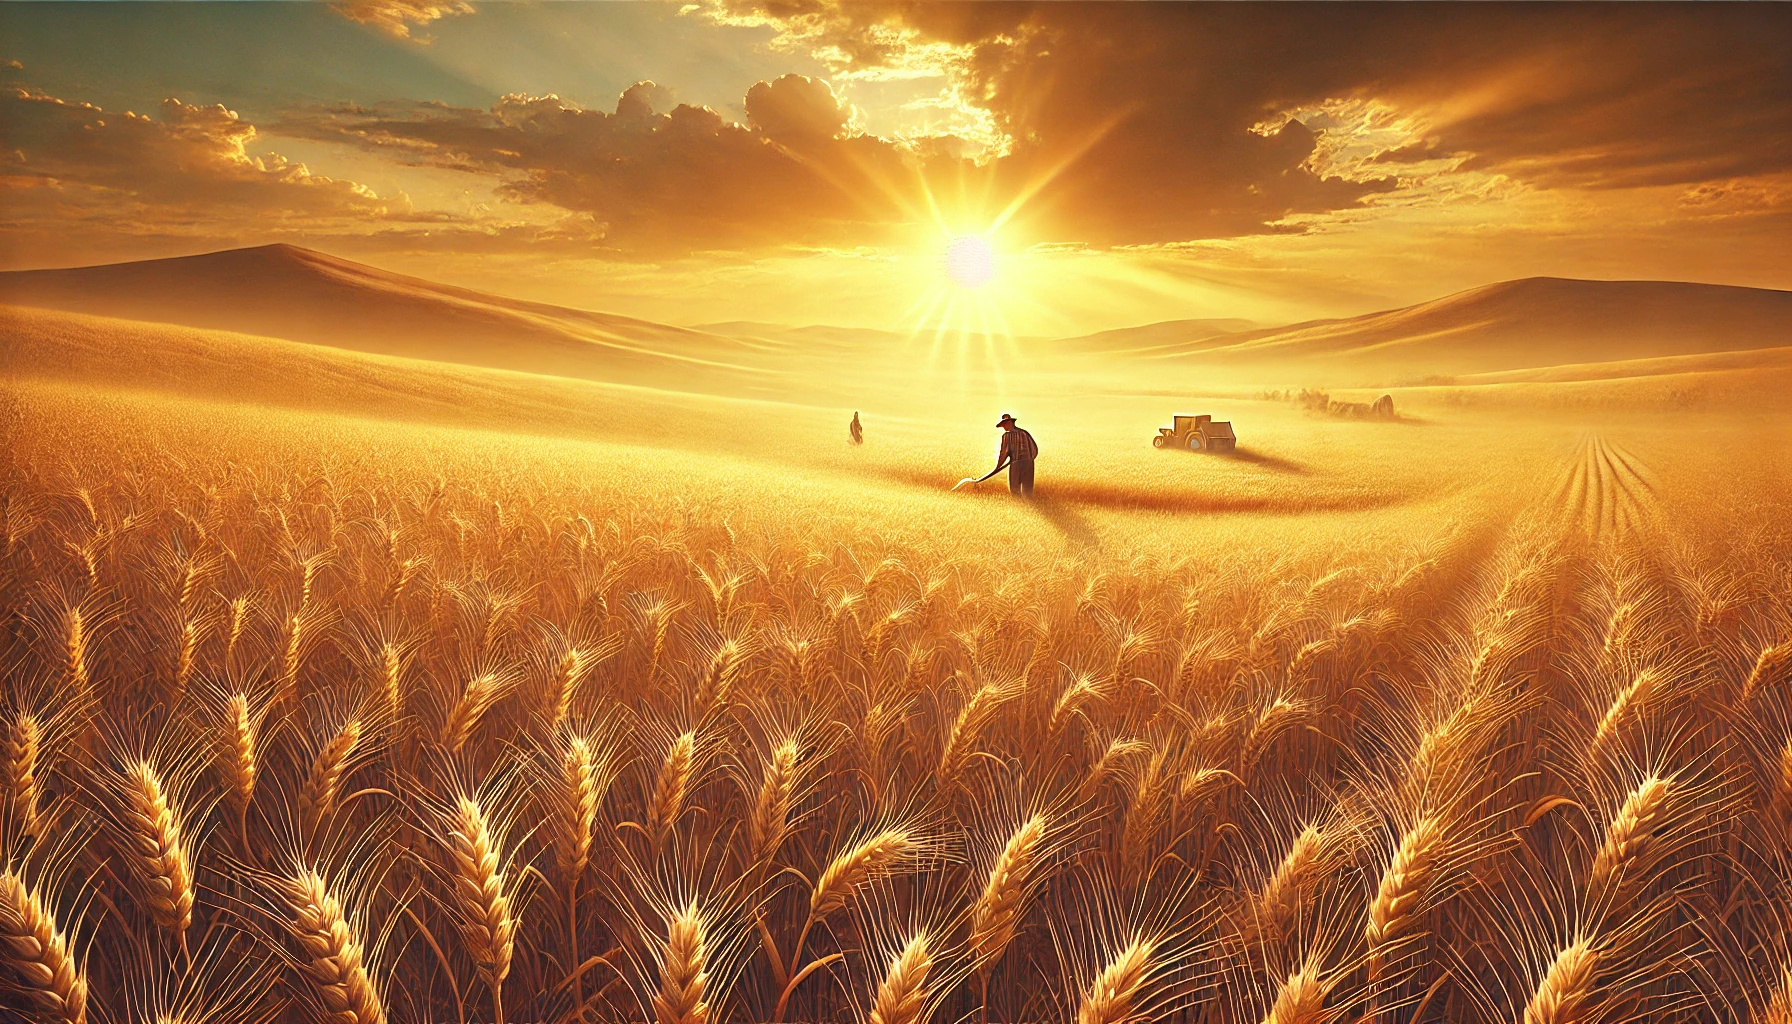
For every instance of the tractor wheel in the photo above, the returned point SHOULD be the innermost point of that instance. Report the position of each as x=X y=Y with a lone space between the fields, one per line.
x=1160 y=442
x=1194 y=442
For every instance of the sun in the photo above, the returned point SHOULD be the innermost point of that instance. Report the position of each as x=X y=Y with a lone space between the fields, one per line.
x=969 y=261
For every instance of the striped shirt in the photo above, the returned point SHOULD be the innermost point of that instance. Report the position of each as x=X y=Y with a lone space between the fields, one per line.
x=1018 y=446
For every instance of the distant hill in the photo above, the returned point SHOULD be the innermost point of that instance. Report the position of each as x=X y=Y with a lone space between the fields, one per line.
x=1165 y=338
x=283 y=291
x=1525 y=324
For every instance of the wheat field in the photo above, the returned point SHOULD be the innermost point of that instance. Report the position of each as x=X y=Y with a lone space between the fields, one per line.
x=307 y=721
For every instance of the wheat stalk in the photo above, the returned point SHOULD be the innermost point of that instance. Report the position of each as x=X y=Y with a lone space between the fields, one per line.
x=482 y=897
x=682 y=975
x=481 y=693
x=1113 y=996
x=1626 y=855
x=237 y=757
x=38 y=954
x=902 y=995
x=333 y=958
x=323 y=785
x=858 y=865
x=771 y=810
x=24 y=745
x=669 y=787
x=1770 y=665
x=1394 y=912
x=74 y=632
x=1284 y=893
x=1566 y=993
x=158 y=855
x=1301 y=1000
x=1632 y=697
x=566 y=683
x=997 y=910
x=575 y=809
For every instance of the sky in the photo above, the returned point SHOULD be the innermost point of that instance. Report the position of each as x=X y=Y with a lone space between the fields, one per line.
x=802 y=162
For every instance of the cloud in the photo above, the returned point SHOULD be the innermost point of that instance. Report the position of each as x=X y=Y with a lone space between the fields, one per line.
x=188 y=158
x=687 y=178
x=1576 y=96
x=75 y=177
x=798 y=108
x=395 y=17
x=800 y=173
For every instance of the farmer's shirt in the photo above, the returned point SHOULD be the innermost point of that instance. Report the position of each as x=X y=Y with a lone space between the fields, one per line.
x=1018 y=446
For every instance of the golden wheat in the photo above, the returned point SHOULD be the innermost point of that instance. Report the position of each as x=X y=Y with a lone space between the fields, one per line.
x=333 y=954
x=38 y=954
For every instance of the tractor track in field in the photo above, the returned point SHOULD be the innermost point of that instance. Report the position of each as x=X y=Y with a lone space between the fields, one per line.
x=1604 y=491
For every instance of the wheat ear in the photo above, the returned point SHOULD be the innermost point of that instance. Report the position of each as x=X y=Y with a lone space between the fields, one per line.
x=479 y=889
x=1622 y=864
x=333 y=954
x=667 y=800
x=158 y=853
x=392 y=680
x=317 y=800
x=566 y=683
x=292 y=652
x=24 y=744
x=38 y=954
x=1283 y=895
x=1301 y=1000
x=1631 y=697
x=1779 y=1005
x=997 y=910
x=854 y=867
x=185 y=659
x=75 y=652
x=481 y=693
x=1566 y=993
x=771 y=811
x=1114 y=994
x=1769 y=666
x=717 y=684
x=902 y=995
x=682 y=974
x=237 y=751
x=1395 y=910
x=575 y=809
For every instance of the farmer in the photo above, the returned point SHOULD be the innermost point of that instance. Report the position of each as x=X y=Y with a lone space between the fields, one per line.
x=857 y=431
x=1017 y=453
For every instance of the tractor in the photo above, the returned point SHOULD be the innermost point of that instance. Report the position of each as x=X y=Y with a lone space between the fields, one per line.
x=1196 y=434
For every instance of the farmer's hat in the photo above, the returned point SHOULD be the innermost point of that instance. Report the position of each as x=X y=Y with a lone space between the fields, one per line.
x=1007 y=417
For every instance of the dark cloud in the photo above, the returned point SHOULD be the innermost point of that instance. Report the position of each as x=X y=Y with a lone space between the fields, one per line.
x=796 y=107
x=1596 y=94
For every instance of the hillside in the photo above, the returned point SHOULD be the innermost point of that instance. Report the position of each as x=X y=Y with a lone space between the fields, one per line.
x=1168 y=337
x=1514 y=325
x=282 y=291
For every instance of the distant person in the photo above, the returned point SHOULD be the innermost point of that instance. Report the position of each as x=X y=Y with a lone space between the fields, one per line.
x=857 y=431
x=1017 y=453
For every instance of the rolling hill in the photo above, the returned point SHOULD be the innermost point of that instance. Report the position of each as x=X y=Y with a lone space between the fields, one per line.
x=1506 y=332
x=1514 y=325
x=283 y=291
